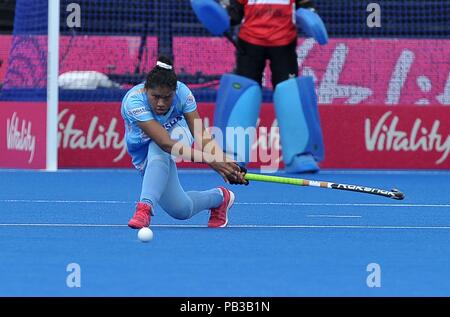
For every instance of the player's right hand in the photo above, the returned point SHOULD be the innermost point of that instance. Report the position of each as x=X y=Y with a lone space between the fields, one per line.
x=230 y=171
x=242 y=171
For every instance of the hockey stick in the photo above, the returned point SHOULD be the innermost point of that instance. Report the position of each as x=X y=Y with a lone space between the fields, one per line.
x=393 y=193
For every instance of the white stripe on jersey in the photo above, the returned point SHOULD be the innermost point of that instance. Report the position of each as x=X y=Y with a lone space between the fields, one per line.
x=283 y=2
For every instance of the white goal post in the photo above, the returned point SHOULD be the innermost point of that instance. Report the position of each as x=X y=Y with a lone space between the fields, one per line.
x=52 y=85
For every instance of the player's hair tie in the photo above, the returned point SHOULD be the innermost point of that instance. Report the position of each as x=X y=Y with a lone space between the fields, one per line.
x=164 y=65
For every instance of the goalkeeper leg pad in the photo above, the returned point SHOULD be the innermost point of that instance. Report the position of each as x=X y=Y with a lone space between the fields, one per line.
x=298 y=119
x=237 y=109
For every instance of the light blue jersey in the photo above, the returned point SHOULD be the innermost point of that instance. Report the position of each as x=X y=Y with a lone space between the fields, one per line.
x=136 y=108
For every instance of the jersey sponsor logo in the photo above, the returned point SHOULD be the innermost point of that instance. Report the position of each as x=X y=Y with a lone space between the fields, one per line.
x=169 y=124
x=190 y=99
x=282 y=2
x=138 y=111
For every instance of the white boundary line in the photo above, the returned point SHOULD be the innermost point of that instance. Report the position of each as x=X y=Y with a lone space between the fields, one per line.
x=230 y=226
x=333 y=216
x=347 y=204
x=47 y=201
x=61 y=225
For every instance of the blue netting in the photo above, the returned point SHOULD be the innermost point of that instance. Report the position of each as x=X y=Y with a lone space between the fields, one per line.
x=399 y=18
x=346 y=18
x=31 y=17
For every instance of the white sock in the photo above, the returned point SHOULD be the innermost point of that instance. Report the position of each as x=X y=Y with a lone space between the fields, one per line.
x=221 y=192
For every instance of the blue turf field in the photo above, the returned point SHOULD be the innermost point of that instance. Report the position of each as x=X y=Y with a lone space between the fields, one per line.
x=281 y=241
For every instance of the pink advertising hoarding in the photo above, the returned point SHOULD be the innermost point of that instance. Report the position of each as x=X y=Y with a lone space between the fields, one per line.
x=403 y=137
x=5 y=45
x=22 y=135
x=91 y=135
x=379 y=71
x=347 y=71
x=27 y=60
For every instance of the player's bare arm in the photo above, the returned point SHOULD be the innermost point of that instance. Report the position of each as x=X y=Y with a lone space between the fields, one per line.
x=228 y=170
x=223 y=164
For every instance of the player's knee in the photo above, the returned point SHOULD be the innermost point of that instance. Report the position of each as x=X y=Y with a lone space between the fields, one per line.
x=159 y=162
x=155 y=153
x=160 y=158
x=182 y=211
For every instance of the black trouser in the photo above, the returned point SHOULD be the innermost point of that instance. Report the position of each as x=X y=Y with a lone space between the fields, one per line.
x=251 y=61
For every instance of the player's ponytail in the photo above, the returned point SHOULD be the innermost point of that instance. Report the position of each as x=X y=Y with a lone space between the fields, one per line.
x=162 y=75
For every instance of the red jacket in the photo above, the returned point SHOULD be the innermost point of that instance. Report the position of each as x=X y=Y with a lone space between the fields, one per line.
x=268 y=22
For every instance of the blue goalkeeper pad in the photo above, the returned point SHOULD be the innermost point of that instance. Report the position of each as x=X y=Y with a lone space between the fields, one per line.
x=237 y=106
x=213 y=17
x=297 y=113
x=312 y=25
